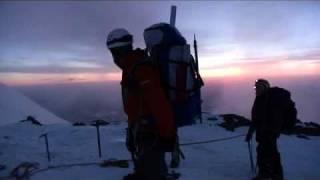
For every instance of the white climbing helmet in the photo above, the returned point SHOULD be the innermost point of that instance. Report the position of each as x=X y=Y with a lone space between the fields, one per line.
x=118 y=38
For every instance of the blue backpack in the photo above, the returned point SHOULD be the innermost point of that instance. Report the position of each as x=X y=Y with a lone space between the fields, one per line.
x=170 y=53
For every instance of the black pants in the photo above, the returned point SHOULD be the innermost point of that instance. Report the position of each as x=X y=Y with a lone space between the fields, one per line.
x=149 y=159
x=268 y=159
x=151 y=165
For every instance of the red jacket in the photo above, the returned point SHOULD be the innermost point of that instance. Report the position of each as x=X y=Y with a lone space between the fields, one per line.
x=145 y=97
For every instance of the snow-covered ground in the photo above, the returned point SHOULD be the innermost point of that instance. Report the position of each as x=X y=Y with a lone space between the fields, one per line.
x=14 y=107
x=222 y=160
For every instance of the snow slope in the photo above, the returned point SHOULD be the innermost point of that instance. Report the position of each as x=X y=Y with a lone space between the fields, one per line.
x=14 y=107
x=223 y=160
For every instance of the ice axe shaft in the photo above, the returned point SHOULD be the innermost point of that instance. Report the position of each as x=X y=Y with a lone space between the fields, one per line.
x=98 y=137
x=97 y=124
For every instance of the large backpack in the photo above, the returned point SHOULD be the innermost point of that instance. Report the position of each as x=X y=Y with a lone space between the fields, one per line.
x=170 y=53
x=287 y=106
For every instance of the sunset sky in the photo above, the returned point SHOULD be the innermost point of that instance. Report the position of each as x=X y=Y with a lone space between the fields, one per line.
x=61 y=42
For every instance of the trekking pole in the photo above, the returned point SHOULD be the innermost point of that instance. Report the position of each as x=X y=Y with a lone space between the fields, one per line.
x=134 y=159
x=182 y=154
x=251 y=158
x=179 y=149
x=45 y=135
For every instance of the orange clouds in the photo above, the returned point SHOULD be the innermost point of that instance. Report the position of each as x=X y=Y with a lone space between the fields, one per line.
x=231 y=69
x=264 y=68
x=52 y=78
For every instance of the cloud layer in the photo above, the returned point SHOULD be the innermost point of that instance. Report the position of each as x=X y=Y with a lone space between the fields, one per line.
x=69 y=37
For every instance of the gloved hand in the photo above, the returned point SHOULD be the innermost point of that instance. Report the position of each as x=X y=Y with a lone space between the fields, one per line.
x=248 y=137
x=166 y=144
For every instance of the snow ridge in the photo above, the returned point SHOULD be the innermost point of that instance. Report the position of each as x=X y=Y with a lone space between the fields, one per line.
x=15 y=106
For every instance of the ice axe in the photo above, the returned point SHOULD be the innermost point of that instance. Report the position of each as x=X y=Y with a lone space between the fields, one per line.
x=251 y=158
x=97 y=124
x=45 y=135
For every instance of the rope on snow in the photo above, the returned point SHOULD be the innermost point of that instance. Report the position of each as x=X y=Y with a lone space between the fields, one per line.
x=32 y=169
x=212 y=140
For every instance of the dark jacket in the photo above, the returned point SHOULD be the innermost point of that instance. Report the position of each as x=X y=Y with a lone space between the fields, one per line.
x=267 y=113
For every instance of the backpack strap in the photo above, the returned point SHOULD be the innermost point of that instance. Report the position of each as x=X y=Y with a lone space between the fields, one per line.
x=131 y=78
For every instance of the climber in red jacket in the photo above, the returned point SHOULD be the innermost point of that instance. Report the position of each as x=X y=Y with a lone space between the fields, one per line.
x=151 y=130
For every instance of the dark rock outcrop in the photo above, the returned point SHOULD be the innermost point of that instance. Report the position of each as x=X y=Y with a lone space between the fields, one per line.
x=306 y=128
x=79 y=124
x=301 y=129
x=32 y=120
x=233 y=121
x=99 y=122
